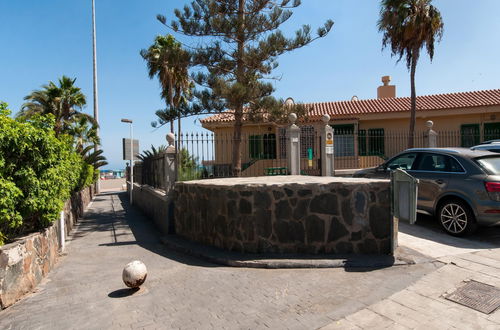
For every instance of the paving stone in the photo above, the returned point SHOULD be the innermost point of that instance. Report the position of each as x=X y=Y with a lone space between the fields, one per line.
x=83 y=291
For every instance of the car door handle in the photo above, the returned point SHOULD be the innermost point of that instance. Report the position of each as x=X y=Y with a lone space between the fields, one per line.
x=439 y=181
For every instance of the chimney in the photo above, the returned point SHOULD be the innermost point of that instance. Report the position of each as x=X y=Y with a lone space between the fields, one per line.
x=386 y=90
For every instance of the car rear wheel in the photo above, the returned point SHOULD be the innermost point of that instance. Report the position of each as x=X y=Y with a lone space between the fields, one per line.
x=456 y=218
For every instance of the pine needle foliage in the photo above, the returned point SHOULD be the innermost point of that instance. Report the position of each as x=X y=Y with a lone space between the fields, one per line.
x=239 y=43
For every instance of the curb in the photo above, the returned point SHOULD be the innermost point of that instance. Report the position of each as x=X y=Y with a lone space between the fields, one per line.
x=288 y=261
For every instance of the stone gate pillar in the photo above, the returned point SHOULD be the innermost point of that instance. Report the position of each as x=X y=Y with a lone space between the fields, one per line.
x=327 y=159
x=293 y=146
x=430 y=136
x=170 y=163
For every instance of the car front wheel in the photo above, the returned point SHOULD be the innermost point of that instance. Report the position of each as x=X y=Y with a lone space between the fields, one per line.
x=456 y=218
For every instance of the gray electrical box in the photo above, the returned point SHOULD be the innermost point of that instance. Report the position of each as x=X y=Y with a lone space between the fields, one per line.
x=404 y=196
x=126 y=149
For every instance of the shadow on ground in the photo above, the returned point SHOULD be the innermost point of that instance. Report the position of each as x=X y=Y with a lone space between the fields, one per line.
x=117 y=221
x=428 y=228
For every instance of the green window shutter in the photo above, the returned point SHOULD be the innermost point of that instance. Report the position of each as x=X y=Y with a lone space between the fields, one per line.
x=491 y=131
x=269 y=143
x=376 y=142
x=362 y=142
x=470 y=135
x=255 y=146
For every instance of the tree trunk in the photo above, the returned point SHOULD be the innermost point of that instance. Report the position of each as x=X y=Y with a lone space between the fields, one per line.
x=240 y=79
x=413 y=108
x=171 y=101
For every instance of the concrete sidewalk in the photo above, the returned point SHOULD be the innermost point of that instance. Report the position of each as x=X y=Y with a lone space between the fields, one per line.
x=85 y=290
x=423 y=306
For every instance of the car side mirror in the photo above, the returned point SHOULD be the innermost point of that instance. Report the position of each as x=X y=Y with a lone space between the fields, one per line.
x=394 y=166
x=381 y=168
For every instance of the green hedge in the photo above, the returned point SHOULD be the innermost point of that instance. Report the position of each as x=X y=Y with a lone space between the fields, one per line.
x=38 y=172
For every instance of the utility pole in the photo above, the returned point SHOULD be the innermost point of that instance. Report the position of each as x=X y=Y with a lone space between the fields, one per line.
x=96 y=105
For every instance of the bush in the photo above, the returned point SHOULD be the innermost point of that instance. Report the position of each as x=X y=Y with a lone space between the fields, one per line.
x=38 y=172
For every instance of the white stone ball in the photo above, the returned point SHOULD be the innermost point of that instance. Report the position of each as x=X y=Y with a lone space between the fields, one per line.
x=134 y=274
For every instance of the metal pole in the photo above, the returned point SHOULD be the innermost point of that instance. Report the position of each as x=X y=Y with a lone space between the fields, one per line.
x=96 y=105
x=131 y=162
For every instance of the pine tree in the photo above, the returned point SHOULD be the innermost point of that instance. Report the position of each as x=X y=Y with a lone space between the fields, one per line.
x=239 y=46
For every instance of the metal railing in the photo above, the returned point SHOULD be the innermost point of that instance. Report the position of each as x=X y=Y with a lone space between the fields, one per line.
x=209 y=155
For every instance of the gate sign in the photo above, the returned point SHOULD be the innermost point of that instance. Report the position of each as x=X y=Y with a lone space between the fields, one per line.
x=126 y=149
x=329 y=144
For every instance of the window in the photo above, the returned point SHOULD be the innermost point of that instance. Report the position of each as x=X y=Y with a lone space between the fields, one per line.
x=283 y=142
x=491 y=131
x=372 y=144
x=362 y=142
x=439 y=163
x=344 y=140
x=306 y=141
x=404 y=162
x=255 y=145
x=376 y=139
x=470 y=135
x=262 y=146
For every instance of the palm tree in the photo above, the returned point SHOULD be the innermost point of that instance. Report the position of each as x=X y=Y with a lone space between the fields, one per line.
x=170 y=62
x=154 y=152
x=408 y=26
x=84 y=133
x=64 y=101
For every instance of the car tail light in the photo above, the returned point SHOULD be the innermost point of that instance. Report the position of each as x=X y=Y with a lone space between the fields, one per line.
x=492 y=186
x=493 y=189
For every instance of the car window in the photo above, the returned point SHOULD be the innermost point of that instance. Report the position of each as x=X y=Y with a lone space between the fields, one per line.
x=439 y=163
x=404 y=162
x=454 y=166
x=492 y=164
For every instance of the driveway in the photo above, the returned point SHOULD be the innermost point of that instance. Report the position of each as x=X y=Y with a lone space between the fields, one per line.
x=426 y=237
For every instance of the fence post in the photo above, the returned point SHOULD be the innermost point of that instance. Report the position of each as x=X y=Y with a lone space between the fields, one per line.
x=430 y=136
x=170 y=164
x=327 y=159
x=293 y=148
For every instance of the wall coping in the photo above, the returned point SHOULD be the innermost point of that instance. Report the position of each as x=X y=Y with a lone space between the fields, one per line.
x=280 y=180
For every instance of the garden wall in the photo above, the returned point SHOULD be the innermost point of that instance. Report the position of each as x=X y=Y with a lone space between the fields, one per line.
x=25 y=262
x=156 y=204
x=287 y=214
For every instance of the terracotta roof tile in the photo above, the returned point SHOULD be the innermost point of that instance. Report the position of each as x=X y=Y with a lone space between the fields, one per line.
x=398 y=104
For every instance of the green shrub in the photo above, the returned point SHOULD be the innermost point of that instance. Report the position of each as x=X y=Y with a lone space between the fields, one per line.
x=38 y=172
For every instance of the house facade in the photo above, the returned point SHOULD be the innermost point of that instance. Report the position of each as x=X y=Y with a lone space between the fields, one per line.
x=368 y=131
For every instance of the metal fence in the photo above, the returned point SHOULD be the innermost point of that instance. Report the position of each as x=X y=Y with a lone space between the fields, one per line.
x=209 y=155
x=371 y=147
x=151 y=172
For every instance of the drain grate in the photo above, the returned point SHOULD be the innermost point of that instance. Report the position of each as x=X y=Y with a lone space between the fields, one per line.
x=476 y=295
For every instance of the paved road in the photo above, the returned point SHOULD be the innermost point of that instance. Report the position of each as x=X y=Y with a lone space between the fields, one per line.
x=85 y=290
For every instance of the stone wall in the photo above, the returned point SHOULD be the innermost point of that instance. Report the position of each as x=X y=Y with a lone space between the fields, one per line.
x=156 y=204
x=287 y=214
x=25 y=262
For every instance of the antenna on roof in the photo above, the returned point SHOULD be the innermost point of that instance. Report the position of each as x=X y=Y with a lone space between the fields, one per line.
x=354 y=98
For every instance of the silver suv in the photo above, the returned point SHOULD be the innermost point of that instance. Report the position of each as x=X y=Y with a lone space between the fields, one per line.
x=460 y=186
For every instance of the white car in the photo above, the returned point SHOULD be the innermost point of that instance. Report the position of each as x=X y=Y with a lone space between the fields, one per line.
x=493 y=146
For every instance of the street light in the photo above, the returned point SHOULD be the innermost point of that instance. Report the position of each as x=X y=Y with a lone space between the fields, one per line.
x=129 y=121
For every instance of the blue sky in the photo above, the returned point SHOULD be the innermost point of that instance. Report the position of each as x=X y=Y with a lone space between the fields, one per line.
x=42 y=40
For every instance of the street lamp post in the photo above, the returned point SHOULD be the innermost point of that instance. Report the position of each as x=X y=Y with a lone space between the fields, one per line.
x=129 y=121
x=94 y=71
